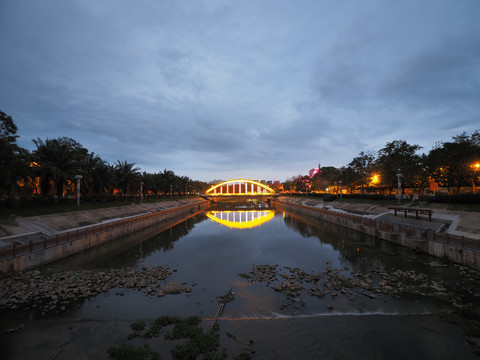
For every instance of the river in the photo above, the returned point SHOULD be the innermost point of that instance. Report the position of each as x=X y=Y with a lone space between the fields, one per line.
x=222 y=249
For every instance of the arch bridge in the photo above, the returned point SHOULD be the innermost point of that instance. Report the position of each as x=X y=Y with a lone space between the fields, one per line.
x=239 y=188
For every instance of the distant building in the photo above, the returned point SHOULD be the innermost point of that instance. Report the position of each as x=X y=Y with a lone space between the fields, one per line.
x=312 y=172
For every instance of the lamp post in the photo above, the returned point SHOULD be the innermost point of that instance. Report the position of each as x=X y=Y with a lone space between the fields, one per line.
x=171 y=191
x=399 y=177
x=340 y=182
x=78 y=178
x=141 y=191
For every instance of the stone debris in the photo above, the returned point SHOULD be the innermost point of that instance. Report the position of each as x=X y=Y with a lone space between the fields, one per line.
x=295 y=282
x=51 y=292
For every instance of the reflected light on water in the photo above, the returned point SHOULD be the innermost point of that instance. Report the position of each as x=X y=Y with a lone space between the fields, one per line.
x=241 y=219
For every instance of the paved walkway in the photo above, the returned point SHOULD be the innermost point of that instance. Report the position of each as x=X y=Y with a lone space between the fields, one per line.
x=461 y=223
x=53 y=223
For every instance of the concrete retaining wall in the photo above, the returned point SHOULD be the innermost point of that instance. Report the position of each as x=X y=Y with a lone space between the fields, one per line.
x=456 y=254
x=61 y=250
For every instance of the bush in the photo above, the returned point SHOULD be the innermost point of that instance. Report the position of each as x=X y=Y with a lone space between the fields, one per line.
x=330 y=197
x=463 y=198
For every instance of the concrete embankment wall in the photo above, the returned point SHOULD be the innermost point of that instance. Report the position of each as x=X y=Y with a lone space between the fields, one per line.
x=70 y=242
x=457 y=249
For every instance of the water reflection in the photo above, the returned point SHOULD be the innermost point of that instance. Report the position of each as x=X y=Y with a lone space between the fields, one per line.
x=241 y=219
x=211 y=259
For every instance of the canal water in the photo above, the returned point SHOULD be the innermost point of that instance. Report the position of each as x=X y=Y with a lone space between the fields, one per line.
x=216 y=251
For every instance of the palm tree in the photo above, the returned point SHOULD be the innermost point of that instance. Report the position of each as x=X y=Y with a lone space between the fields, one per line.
x=92 y=168
x=59 y=160
x=127 y=175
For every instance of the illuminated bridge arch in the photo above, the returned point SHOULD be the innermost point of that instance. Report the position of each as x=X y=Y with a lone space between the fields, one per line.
x=241 y=219
x=240 y=187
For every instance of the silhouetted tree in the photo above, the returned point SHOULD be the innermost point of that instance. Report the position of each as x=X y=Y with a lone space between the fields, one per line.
x=451 y=163
x=363 y=165
x=13 y=159
x=59 y=160
x=398 y=156
x=127 y=176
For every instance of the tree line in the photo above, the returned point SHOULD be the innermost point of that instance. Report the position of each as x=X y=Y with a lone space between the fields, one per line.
x=452 y=165
x=51 y=168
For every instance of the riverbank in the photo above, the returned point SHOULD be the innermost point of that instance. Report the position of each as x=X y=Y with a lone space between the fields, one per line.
x=454 y=222
x=29 y=250
x=52 y=223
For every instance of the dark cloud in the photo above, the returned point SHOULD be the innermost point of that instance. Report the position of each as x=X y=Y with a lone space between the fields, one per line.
x=220 y=90
x=447 y=75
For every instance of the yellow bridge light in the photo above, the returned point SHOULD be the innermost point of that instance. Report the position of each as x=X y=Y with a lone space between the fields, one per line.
x=268 y=189
x=241 y=219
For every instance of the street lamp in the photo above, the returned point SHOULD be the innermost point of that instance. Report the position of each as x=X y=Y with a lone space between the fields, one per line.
x=141 y=191
x=475 y=167
x=340 y=182
x=399 y=177
x=78 y=178
x=171 y=191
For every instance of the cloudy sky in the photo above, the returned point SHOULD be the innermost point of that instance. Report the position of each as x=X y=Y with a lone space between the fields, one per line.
x=227 y=89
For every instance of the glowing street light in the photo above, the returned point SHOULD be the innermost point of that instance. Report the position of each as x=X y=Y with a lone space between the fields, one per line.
x=475 y=167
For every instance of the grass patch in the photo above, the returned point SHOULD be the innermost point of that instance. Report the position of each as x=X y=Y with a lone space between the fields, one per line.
x=198 y=344
x=160 y=322
x=449 y=317
x=130 y=352
x=244 y=356
x=138 y=325
x=468 y=312
x=69 y=205
x=467 y=319
x=471 y=328
x=231 y=336
x=228 y=297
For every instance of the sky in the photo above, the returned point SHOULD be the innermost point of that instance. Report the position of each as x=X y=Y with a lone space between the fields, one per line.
x=240 y=89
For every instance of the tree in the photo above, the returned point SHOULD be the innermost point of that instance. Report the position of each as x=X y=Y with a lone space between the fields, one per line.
x=59 y=160
x=348 y=176
x=13 y=159
x=451 y=163
x=127 y=176
x=98 y=176
x=363 y=166
x=167 y=179
x=398 y=156
x=325 y=178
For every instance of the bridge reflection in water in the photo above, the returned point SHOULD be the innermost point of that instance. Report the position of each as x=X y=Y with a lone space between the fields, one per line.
x=241 y=219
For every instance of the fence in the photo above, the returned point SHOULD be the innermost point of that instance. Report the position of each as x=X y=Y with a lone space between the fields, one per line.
x=74 y=235
x=410 y=232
